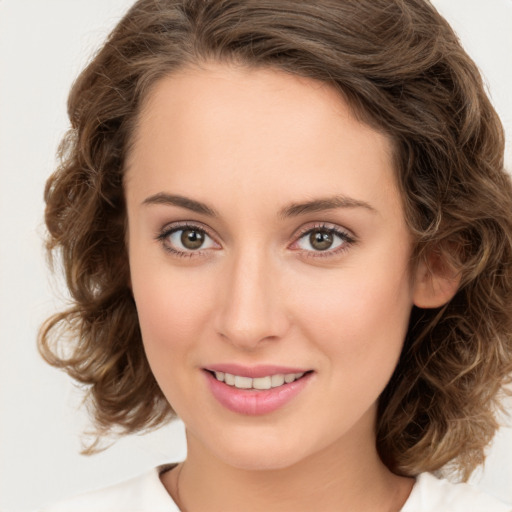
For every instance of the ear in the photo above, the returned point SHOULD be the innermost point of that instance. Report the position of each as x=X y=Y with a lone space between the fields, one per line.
x=436 y=281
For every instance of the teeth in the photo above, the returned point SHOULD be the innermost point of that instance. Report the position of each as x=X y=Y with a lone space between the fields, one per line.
x=277 y=380
x=243 y=382
x=289 y=378
x=261 y=383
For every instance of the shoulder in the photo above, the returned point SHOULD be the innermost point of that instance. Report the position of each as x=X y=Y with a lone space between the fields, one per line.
x=431 y=494
x=140 y=494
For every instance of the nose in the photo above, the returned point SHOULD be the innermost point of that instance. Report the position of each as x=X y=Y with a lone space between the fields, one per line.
x=251 y=308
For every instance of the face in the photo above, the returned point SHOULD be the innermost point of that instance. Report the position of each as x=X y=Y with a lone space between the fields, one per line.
x=268 y=249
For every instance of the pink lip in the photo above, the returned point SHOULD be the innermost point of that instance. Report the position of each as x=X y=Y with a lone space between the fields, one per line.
x=254 y=371
x=253 y=402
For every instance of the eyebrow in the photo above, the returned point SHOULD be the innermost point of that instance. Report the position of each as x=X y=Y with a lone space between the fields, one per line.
x=182 y=202
x=292 y=210
x=323 y=204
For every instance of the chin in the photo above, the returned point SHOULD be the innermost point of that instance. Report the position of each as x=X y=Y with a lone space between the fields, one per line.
x=258 y=453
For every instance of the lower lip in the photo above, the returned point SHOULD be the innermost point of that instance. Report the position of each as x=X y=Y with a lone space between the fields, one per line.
x=255 y=402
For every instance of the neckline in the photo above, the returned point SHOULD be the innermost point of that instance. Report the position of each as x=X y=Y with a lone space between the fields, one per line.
x=165 y=468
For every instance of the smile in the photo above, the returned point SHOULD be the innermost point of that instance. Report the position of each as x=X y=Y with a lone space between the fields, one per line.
x=265 y=391
x=259 y=383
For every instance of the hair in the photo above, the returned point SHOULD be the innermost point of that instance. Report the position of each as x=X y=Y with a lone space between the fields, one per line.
x=402 y=69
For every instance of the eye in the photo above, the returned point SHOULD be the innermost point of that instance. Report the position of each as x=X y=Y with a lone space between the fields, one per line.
x=323 y=239
x=185 y=240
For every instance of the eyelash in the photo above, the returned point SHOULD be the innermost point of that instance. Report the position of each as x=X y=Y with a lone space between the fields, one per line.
x=346 y=239
x=174 y=228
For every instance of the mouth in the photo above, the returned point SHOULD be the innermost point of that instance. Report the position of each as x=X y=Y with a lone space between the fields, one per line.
x=266 y=391
x=257 y=383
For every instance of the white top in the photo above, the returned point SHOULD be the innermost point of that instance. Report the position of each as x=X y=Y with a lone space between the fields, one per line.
x=146 y=493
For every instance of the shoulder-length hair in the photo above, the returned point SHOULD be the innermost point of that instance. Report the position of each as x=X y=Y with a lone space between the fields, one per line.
x=403 y=71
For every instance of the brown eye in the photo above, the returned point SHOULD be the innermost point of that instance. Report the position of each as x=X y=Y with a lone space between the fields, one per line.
x=321 y=240
x=192 y=238
x=186 y=240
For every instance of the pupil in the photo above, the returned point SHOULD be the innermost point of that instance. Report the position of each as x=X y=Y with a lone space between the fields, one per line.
x=320 y=240
x=192 y=239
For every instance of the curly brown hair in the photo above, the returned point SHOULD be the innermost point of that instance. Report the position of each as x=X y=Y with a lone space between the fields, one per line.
x=403 y=70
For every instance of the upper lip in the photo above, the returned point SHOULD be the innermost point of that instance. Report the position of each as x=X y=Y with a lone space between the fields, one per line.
x=254 y=371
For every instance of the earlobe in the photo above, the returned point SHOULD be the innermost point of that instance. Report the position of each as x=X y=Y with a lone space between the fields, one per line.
x=435 y=282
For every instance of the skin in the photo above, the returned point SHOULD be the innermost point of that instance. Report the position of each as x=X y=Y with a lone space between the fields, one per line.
x=248 y=144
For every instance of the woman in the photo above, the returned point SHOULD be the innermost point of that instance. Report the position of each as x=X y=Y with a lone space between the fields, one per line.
x=287 y=223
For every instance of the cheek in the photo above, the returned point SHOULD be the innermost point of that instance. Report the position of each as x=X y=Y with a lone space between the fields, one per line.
x=172 y=313
x=172 y=308
x=362 y=316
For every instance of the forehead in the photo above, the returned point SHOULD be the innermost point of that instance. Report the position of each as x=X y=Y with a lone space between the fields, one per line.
x=209 y=126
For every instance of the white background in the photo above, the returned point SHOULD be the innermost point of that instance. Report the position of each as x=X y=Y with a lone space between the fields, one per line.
x=43 y=45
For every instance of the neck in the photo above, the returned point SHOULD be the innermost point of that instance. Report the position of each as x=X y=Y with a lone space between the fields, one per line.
x=344 y=476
